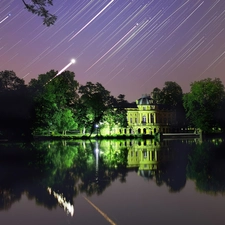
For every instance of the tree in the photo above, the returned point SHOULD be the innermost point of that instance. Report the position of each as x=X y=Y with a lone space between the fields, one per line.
x=172 y=96
x=156 y=95
x=39 y=7
x=15 y=106
x=120 y=110
x=54 y=101
x=65 y=121
x=96 y=101
x=9 y=81
x=205 y=103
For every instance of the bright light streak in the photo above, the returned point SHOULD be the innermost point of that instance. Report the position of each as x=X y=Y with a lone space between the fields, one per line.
x=100 y=211
x=72 y=61
x=64 y=68
x=113 y=47
x=5 y=18
x=92 y=19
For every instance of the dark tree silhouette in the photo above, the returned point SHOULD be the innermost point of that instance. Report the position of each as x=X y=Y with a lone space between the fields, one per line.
x=39 y=7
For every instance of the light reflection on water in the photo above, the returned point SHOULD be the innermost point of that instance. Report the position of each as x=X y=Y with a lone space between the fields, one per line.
x=125 y=182
x=69 y=208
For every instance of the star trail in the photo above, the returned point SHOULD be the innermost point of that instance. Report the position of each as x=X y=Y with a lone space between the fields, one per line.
x=130 y=47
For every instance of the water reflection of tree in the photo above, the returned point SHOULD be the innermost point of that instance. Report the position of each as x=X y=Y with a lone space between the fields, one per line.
x=107 y=165
x=66 y=168
x=207 y=166
x=69 y=168
x=24 y=172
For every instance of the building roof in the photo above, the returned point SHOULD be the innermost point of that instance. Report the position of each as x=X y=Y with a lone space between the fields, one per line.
x=145 y=100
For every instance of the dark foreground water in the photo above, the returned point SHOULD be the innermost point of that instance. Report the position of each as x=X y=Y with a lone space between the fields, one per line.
x=113 y=182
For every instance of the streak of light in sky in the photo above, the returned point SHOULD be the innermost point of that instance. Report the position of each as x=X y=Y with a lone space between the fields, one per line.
x=5 y=18
x=92 y=20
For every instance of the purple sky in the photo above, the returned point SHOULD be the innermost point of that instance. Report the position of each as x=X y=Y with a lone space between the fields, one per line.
x=130 y=47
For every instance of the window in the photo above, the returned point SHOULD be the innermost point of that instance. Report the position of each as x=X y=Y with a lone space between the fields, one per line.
x=144 y=119
x=145 y=154
x=152 y=118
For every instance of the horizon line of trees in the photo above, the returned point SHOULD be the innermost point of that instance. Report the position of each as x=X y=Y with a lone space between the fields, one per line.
x=55 y=104
x=59 y=104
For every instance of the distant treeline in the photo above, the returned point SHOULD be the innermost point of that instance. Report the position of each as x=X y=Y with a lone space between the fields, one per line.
x=55 y=104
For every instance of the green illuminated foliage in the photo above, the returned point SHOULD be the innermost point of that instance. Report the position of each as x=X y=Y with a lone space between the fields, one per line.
x=54 y=100
x=205 y=103
x=96 y=100
x=65 y=121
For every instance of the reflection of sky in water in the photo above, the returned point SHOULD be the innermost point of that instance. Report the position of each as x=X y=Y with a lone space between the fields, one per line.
x=135 y=202
x=126 y=196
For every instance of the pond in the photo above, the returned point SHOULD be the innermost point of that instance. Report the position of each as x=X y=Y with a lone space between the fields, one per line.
x=113 y=182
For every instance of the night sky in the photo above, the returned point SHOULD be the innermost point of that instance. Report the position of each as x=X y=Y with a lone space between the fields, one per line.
x=130 y=47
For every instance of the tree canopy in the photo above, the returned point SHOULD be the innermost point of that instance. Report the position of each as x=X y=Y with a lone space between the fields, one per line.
x=59 y=104
x=171 y=94
x=96 y=100
x=9 y=81
x=54 y=101
x=39 y=7
x=205 y=103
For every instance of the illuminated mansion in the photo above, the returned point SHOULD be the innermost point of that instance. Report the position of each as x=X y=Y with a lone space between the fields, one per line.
x=146 y=116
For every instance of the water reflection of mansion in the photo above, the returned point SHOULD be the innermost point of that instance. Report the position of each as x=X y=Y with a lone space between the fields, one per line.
x=147 y=154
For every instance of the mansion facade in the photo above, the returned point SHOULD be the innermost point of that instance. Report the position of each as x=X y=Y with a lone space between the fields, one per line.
x=148 y=117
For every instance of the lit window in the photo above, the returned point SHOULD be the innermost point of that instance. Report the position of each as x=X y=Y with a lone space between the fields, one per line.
x=144 y=119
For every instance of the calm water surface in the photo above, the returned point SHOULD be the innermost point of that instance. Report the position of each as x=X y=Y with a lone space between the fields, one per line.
x=113 y=182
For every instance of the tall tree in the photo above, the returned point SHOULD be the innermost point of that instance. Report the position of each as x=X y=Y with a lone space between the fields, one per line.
x=156 y=95
x=15 y=105
x=204 y=102
x=96 y=100
x=54 y=100
x=120 y=111
x=171 y=94
x=39 y=7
